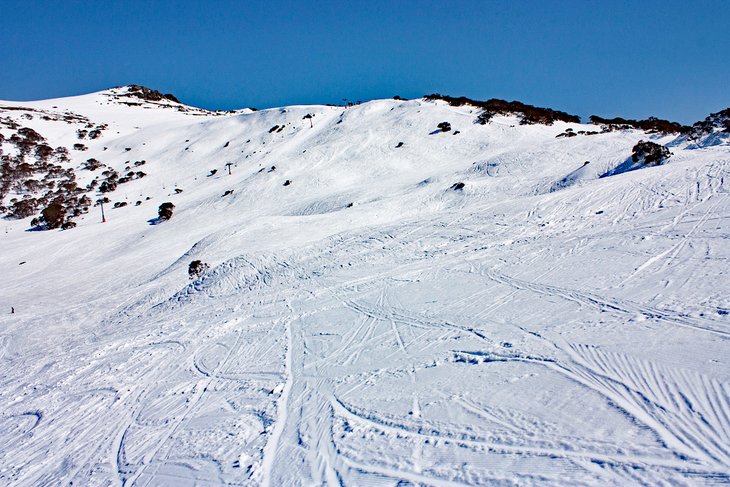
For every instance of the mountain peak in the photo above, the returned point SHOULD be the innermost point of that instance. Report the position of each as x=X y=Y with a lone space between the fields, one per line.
x=144 y=93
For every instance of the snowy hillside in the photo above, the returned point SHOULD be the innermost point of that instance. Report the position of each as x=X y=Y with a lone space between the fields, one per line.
x=388 y=302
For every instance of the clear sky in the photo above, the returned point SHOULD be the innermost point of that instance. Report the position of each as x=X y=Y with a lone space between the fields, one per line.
x=637 y=58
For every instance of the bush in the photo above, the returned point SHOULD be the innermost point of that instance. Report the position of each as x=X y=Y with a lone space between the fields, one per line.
x=30 y=135
x=53 y=215
x=649 y=125
x=91 y=164
x=719 y=121
x=197 y=268
x=444 y=126
x=528 y=113
x=650 y=153
x=148 y=94
x=165 y=211
x=23 y=208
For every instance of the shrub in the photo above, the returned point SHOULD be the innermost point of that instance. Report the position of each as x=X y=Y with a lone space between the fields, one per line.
x=43 y=151
x=53 y=215
x=165 y=211
x=650 y=125
x=108 y=186
x=444 y=126
x=719 y=121
x=91 y=164
x=197 y=268
x=23 y=208
x=528 y=113
x=650 y=153
x=148 y=94
x=30 y=135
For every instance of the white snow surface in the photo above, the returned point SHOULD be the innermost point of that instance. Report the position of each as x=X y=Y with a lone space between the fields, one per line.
x=541 y=326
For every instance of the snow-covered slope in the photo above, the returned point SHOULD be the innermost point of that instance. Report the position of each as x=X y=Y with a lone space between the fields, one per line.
x=366 y=320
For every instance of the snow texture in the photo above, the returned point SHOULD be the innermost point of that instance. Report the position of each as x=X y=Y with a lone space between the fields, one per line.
x=366 y=324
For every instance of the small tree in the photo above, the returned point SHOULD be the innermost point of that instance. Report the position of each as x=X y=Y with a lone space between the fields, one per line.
x=197 y=268
x=444 y=126
x=165 y=211
x=53 y=215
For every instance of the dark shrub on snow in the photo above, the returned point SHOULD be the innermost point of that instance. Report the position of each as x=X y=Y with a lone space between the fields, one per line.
x=197 y=268
x=650 y=153
x=715 y=122
x=444 y=126
x=148 y=94
x=165 y=211
x=529 y=114
x=53 y=215
x=91 y=164
x=650 y=125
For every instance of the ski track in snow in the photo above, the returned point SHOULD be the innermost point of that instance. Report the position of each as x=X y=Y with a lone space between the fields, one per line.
x=505 y=334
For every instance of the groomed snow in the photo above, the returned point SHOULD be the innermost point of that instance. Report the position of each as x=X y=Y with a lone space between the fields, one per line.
x=366 y=324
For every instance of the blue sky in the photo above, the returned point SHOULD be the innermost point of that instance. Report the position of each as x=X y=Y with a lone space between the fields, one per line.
x=669 y=59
